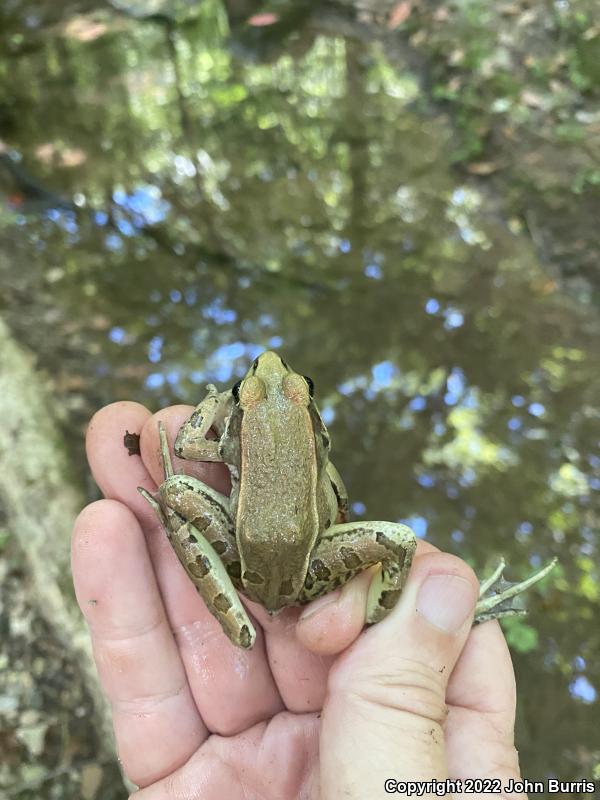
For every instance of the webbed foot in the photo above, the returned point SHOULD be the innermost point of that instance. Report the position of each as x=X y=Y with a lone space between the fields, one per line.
x=496 y=594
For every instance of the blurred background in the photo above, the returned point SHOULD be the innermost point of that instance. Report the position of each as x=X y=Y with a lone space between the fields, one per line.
x=400 y=197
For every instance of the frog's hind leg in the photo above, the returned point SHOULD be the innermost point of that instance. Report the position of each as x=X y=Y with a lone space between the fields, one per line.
x=202 y=506
x=208 y=511
x=161 y=513
x=345 y=550
x=201 y=560
x=496 y=594
x=207 y=572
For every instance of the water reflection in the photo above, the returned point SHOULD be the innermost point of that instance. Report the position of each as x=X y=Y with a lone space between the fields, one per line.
x=174 y=209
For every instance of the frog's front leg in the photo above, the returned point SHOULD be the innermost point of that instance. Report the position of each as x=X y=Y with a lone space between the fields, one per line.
x=212 y=412
x=345 y=550
x=198 y=525
x=340 y=491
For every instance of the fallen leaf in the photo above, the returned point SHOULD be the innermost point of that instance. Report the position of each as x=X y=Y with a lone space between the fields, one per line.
x=482 y=167
x=533 y=99
x=591 y=33
x=45 y=152
x=72 y=157
x=510 y=9
x=262 y=20
x=399 y=14
x=418 y=38
x=85 y=29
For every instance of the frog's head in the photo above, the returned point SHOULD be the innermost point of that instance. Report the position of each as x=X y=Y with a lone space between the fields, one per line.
x=270 y=377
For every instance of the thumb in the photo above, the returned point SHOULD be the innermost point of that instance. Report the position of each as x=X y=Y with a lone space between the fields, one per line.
x=386 y=703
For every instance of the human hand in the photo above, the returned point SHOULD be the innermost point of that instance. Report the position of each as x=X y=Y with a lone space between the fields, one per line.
x=318 y=708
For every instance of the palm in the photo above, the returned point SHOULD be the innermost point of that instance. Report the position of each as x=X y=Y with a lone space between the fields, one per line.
x=189 y=708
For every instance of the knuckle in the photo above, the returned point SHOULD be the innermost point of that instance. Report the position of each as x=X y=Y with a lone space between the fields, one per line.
x=147 y=704
x=401 y=684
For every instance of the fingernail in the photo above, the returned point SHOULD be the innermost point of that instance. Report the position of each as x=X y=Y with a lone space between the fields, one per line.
x=446 y=601
x=318 y=605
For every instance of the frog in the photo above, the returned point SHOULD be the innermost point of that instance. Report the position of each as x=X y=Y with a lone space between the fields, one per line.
x=282 y=537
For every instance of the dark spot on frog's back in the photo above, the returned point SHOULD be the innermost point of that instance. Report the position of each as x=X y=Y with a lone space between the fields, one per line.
x=319 y=570
x=219 y=547
x=349 y=557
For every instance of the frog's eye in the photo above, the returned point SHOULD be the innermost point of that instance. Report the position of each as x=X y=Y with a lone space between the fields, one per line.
x=235 y=391
x=311 y=385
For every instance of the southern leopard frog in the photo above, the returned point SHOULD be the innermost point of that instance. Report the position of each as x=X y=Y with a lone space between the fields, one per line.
x=282 y=537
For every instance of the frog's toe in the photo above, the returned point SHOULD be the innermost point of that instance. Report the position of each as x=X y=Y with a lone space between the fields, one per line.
x=501 y=598
x=154 y=503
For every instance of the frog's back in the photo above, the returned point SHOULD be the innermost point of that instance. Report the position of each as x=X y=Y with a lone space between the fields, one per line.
x=277 y=519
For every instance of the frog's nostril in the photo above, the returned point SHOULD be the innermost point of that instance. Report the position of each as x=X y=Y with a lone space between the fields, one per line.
x=286 y=588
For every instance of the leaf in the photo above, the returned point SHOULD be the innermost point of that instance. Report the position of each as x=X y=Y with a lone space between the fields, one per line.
x=482 y=167
x=520 y=636
x=262 y=20
x=85 y=29
x=533 y=99
x=399 y=14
